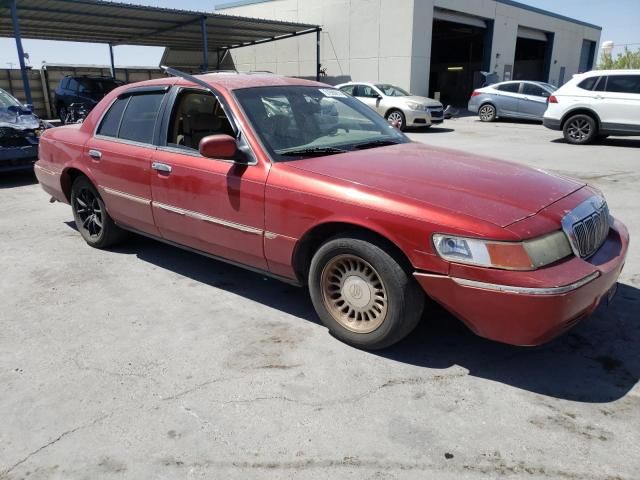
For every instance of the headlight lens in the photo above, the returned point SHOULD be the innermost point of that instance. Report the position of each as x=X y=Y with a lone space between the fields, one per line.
x=527 y=255
x=416 y=106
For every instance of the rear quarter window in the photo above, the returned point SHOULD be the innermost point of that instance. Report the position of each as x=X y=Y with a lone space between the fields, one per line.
x=588 y=83
x=111 y=121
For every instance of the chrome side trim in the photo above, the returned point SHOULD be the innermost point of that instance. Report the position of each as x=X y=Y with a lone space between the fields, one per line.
x=128 y=196
x=207 y=218
x=526 y=290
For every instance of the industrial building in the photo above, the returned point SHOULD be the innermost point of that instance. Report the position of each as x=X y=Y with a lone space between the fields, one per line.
x=432 y=47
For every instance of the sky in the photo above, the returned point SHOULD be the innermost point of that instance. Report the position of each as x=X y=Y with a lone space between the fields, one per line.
x=619 y=20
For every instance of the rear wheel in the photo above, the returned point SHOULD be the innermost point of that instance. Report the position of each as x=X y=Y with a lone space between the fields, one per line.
x=92 y=220
x=362 y=294
x=580 y=129
x=487 y=113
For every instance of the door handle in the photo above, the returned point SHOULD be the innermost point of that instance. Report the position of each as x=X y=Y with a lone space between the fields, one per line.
x=95 y=154
x=525 y=98
x=161 y=167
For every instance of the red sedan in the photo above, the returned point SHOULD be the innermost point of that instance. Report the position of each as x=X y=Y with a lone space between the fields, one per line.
x=299 y=181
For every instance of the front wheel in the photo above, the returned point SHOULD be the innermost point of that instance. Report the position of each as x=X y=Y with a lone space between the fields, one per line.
x=580 y=129
x=92 y=220
x=362 y=294
x=397 y=119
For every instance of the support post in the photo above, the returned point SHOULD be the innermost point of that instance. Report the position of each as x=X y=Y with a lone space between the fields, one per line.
x=318 y=55
x=113 y=65
x=23 y=67
x=205 y=44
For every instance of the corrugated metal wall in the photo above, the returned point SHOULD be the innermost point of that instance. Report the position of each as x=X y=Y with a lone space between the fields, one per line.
x=41 y=80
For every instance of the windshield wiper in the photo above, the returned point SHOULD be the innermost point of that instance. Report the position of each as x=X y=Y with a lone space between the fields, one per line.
x=375 y=143
x=313 y=151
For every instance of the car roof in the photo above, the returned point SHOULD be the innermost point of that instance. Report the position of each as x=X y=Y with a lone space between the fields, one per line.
x=234 y=81
x=598 y=73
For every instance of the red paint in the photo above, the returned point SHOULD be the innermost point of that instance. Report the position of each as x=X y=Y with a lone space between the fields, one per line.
x=258 y=215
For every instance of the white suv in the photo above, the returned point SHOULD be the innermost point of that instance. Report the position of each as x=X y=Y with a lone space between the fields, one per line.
x=595 y=105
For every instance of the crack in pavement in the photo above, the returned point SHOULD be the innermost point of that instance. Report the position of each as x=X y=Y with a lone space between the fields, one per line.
x=66 y=433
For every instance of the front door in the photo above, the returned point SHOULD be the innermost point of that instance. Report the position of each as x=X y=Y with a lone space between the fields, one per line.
x=370 y=97
x=120 y=156
x=214 y=206
x=533 y=102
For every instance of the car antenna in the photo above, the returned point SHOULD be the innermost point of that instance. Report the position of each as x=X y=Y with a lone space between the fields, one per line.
x=179 y=73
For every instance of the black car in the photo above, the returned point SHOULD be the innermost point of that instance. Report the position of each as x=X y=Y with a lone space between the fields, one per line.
x=20 y=129
x=81 y=90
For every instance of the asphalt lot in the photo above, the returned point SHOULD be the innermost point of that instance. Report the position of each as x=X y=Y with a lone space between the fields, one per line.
x=148 y=362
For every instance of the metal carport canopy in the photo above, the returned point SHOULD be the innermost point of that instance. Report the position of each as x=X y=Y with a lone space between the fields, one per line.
x=98 y=21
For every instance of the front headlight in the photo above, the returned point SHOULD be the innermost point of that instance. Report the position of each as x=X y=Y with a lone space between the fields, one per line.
x=416 y=106
x=526 y=255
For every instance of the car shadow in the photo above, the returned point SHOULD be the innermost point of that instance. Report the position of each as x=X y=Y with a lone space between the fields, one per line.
x=609 y=142
x=17 y=179
x=596 y=362
x=433 y=129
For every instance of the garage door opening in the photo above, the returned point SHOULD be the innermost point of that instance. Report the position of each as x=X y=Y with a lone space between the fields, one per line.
x=458 y=54
x=533 y=54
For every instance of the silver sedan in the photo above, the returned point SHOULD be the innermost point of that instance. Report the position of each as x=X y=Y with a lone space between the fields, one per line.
x=514 y=99
x=398 y=106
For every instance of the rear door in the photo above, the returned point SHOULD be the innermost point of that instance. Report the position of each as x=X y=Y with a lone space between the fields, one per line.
x=212 y=205
x=369 y=96
x=534 y=99
x=120 y=154
x=618 y=103
x=507 y=97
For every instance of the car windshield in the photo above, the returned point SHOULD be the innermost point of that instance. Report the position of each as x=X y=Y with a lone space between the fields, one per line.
x=392 y=91
x=96 y=85
x=296 y=122
x=7 y=100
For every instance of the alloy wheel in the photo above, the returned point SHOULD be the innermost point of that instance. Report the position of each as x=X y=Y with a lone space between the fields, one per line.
x=486 y=113
x=354 y=294
x=89 y=210
x=395 y=118
x=579 y=129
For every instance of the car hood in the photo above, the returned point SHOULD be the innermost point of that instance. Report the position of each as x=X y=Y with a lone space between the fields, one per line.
x=429 y=102
x=484 y=188
x=18 y=119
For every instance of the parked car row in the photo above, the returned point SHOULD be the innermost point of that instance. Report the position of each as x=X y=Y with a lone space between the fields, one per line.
x=305 y=183
x=590 y=106
x=77 y=93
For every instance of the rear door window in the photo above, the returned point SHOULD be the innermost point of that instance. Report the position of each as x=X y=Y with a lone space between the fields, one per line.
x=509 y=87
x=624 y=84
x=139 y=119
x=601 y=85
x=348 y=89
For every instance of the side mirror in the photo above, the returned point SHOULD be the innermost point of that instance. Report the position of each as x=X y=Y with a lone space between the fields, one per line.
x=218 y=146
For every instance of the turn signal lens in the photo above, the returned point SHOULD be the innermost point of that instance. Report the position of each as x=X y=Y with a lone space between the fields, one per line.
x=509 y=255
x=553 y=99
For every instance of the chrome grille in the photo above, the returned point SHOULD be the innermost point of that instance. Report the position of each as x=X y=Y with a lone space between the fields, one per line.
x=436 y=111
x=587 y=226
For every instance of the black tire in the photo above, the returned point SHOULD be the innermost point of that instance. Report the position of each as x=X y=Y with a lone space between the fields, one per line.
x=393 y=114
x=62 y=113
x=487 y=112
x=403 y=297
x=580 y=129
x=92 y=220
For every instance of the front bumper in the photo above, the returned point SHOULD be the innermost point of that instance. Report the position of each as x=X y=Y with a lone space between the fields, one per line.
x=420 y=118
x=525 y=315
x=14 y=159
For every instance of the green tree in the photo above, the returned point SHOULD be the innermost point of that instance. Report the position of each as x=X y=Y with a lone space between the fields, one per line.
x=625 y=60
